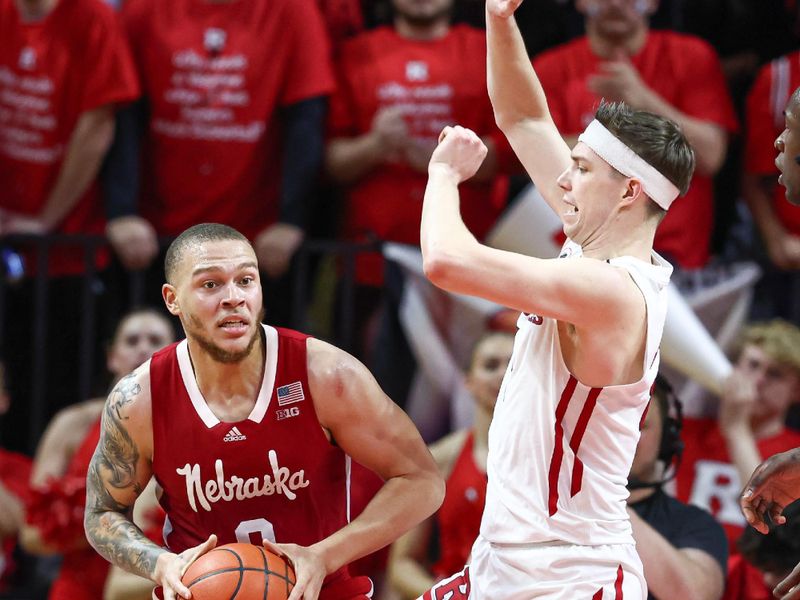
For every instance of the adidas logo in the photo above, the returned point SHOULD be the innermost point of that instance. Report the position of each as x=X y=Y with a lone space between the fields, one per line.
x=234 y=435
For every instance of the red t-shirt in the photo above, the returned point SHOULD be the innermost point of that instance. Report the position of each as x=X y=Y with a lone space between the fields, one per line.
x=273 y=475
x=15 y=472
x=459 y=517
x=745 y=582
x=83 y=572
x=684 y=71
x=707 y=478
x=765 y=105
x=51 y=72
x=216 y=75
x=437 y=83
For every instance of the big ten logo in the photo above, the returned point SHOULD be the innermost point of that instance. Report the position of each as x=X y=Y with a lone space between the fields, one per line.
x=287 y=413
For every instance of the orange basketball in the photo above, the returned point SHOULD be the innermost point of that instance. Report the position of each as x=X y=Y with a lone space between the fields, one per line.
x=240 y=572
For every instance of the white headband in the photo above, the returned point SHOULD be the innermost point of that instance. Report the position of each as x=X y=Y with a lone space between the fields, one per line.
x=626 y=161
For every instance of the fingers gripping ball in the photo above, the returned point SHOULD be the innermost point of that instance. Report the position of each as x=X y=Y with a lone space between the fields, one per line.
x=239 y=572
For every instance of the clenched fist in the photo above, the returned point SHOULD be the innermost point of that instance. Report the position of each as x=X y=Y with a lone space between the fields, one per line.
x=502 y=8
x=460 y=152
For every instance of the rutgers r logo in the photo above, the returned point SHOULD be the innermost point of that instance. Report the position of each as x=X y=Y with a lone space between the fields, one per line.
x=535 y=319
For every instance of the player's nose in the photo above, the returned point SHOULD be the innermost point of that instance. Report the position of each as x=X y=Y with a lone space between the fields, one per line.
x=233 y=294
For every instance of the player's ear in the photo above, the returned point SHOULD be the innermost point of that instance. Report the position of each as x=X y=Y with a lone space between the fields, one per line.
x=170 y=296
x=633 y=191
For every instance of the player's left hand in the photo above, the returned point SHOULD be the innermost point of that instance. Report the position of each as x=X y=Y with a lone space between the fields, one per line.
x=309 y=569
x=773 y=485
x=275 y=247
x=460 y=152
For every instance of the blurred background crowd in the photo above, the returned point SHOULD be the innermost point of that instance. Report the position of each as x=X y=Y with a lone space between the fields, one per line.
x=308 y=125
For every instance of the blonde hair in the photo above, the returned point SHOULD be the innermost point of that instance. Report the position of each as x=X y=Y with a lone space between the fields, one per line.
x=779 y=339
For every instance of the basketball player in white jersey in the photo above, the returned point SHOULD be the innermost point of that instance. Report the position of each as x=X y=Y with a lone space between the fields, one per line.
x=568 y=414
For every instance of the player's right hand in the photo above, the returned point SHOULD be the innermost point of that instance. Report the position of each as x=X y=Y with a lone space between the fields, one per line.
x=170 y=568
x=460 y=152
x=774 y=485
x=502 y=8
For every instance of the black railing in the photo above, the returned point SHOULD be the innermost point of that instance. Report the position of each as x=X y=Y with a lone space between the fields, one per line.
x=39 y=249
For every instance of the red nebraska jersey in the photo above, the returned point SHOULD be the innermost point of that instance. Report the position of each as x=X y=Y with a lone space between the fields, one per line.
x=459 y=517
x=434 y=83
x=684 y=71
x=215 y=75
x=273 y=475
x=706 y=477
x=83 y=572
x=51 y=71
x=765 y=104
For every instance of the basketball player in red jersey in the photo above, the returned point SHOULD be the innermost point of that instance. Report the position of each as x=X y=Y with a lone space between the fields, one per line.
x=249 y=429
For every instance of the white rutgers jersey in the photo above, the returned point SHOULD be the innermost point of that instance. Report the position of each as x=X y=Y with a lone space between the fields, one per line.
x=559 y=451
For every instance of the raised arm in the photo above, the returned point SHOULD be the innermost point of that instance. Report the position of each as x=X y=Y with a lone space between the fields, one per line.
x=373 y=430
x=119 y=471
x=519 y=102
x=582 y=291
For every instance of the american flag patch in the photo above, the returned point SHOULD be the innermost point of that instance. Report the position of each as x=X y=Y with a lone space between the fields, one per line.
x=289 y=394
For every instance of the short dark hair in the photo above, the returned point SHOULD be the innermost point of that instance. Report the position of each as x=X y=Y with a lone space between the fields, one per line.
x=657 y=140
x=197 y=234
x=779 y=550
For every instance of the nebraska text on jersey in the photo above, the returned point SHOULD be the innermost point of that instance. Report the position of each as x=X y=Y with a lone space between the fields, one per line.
x=282 y=481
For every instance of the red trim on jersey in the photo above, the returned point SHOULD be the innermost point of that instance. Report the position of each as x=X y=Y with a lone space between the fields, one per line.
x=456 y=587
x=618 y=583
x=598 y=595
x=644 y=414
x=577 y=438
x=558 y=448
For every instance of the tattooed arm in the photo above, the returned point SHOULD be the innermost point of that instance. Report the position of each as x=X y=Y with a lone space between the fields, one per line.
x=119 y=471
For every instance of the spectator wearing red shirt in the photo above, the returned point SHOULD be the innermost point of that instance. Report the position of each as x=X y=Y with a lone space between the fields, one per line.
x=15 y=470
x=54 y=519
x=778 y=221
x=721 y=454
x=673 y=75
x=461 y=457
x=232 y=121
x=398 y=86
x=64 y=67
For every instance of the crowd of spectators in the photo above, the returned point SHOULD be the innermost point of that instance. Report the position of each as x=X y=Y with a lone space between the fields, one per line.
x=296 y=121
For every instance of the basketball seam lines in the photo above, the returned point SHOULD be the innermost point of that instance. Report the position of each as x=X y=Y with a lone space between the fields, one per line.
x=266 y=568
x=242 y=569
